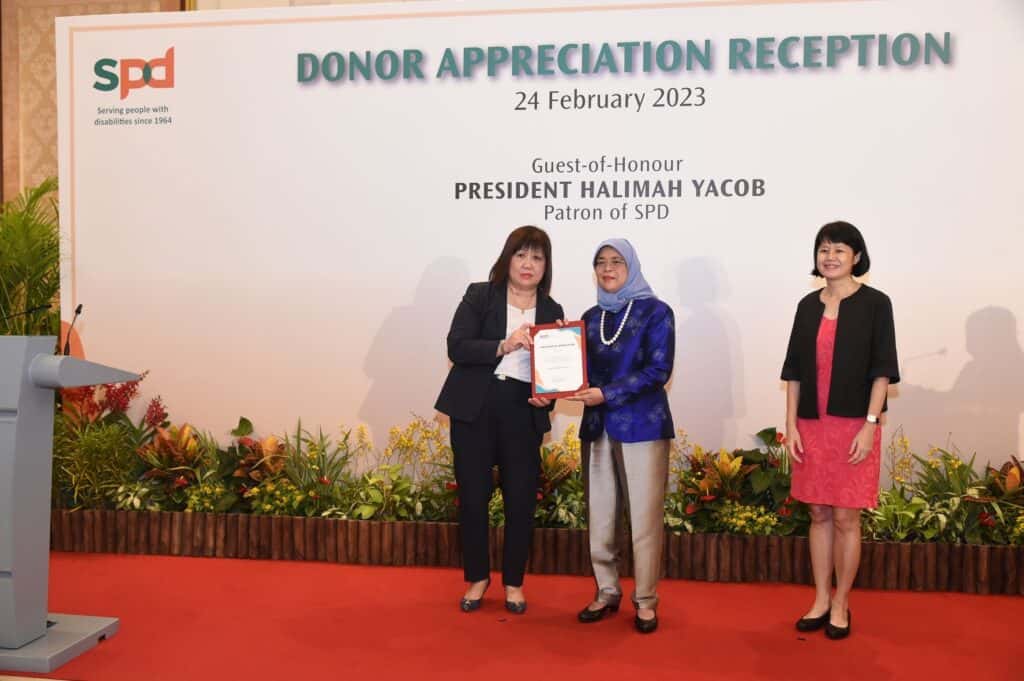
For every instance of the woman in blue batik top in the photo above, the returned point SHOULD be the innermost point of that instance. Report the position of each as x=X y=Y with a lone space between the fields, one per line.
x=626 y=429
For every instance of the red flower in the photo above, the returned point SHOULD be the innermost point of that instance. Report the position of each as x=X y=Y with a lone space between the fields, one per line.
x=86 y=392
x=789 y=500
x=324 y=480
x=450 y=486
x=785 y=512
x=540 y=495
x=180 y=481
x=780 y=438
x=246 y=442
x=691 y=508
x=986 y=519
x=155 y=412
x=117 y=396
x=708 y=497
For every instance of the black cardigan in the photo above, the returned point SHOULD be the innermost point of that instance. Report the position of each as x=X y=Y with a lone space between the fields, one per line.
x=477 y=328
x=865 y=350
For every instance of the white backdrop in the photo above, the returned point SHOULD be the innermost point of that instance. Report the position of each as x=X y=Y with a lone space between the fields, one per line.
x=287 y=250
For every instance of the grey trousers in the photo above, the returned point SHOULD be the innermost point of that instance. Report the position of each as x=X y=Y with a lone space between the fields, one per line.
x=631 y=475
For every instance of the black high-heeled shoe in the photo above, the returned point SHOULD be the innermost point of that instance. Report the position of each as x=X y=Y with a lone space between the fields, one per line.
x=836 y=633
x=514 y=607
x=588 y=616
x=807 y=624
x=471 y=604
x=646 y=626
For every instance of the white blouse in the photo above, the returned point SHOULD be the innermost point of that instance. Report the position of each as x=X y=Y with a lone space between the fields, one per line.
x=516 y=364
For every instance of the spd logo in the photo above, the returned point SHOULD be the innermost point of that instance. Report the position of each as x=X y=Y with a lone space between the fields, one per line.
x=131 y=74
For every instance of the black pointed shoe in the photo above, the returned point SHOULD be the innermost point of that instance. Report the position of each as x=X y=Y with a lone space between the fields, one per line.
x=646 y=626
x=469 y=605
x=806 y=624
x=836 y=633
x=588 y=616
x=514 y=607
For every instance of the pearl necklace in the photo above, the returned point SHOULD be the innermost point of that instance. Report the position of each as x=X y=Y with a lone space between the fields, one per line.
x=622 y=325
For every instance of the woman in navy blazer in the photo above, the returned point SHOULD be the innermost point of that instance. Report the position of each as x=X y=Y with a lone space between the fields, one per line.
x=494 y=419
x=626 y=429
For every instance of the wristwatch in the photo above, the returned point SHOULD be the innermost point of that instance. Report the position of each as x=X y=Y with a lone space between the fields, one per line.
x=872 y=418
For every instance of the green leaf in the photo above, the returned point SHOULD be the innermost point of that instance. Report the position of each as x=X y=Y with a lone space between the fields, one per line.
x=750 y=455
x=767 y=436
x=244 y=427
x=760 y=480
x=365 y=511
x=225 y=503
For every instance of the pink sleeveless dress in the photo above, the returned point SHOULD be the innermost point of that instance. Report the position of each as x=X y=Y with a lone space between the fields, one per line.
x=825 y=477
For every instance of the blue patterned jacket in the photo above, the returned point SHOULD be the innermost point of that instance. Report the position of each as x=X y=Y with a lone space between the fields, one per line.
x=631 y=372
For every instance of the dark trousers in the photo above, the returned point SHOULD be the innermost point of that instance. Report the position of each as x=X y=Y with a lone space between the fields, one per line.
x=503 y=434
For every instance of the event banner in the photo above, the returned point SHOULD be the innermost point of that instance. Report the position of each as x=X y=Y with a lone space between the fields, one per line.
x=275 y=212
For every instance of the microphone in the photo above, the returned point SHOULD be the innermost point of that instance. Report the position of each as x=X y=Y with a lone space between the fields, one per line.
x=67 y=339
x=37 y=308
x=941 y=352
x=935 y=353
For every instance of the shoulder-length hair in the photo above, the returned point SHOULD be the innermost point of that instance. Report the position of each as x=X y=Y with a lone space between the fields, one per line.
x=526 y=236
x=842 y=233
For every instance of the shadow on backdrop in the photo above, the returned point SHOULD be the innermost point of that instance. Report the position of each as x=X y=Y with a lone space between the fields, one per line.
x=707 y=390
x=408 y=360
x=981 y=412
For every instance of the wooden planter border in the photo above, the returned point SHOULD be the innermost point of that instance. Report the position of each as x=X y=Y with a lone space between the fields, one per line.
x=706 y=557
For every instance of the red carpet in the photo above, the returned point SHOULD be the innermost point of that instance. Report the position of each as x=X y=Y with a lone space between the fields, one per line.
x=196 y=619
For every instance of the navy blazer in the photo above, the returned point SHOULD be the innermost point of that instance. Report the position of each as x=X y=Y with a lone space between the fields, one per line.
x=477 y=329
x=631 y=373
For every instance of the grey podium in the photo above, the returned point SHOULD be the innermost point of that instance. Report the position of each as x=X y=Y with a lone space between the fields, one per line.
x=32 y=640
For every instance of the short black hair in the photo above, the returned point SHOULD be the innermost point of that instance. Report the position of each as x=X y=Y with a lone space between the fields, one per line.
x=526 y=236
x=840 y=232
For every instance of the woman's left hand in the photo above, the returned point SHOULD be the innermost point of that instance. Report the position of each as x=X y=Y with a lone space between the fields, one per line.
x=540 y=402
x=862 y=444
x=590 y=397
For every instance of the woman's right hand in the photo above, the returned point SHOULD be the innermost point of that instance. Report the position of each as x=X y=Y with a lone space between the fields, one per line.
x=520 y=338
x=794 y=444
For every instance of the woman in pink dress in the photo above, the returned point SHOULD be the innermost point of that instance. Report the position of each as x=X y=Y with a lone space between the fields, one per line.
x=839 y=364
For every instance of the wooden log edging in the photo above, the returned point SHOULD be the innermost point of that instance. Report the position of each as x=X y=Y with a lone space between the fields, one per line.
x=704 y=557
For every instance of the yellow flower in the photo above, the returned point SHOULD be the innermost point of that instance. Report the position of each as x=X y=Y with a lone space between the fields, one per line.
x=363 y=437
